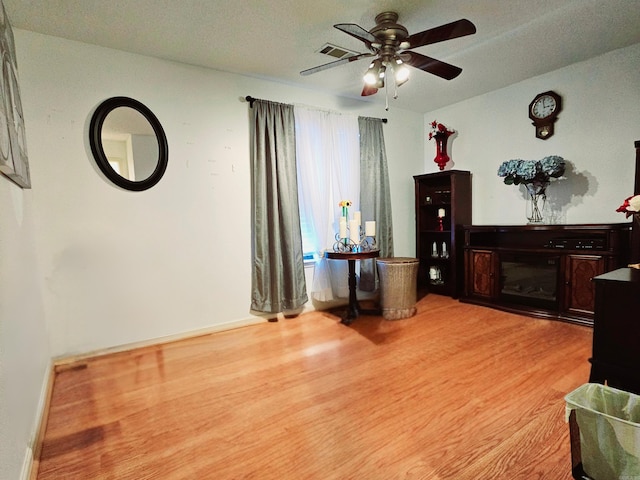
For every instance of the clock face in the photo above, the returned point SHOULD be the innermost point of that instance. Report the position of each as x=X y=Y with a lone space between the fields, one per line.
x=544 y=106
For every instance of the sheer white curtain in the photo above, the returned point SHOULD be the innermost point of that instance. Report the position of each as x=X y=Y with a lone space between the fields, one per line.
x=328 y=156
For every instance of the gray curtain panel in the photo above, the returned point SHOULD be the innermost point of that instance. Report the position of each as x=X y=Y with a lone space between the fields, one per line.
x=277 y=282
x=375 y=197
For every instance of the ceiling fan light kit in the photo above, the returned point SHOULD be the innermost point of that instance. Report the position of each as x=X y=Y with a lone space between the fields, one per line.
x=374 y=76
x=401 y=72
x=391 y=46
x=377 y=72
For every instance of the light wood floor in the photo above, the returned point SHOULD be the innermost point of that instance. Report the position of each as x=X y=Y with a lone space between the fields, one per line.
x=457 y=392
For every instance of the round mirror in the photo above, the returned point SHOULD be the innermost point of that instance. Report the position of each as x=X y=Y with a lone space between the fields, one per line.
x=128 y=143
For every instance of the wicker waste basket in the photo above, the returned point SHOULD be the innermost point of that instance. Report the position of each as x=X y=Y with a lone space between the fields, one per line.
x=608 y=431
x=398 y=286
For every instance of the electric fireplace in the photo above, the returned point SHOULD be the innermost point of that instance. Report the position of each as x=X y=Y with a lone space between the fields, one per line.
x=541 y=270
x=530 y=279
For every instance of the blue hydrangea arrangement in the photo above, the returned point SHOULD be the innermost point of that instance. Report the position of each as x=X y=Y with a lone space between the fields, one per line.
x=532 y=173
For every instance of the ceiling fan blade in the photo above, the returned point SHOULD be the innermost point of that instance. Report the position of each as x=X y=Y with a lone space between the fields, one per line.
x=336 y=63
x=431 y=65
x=459 y=28
x=357 y=31
x=368 y=90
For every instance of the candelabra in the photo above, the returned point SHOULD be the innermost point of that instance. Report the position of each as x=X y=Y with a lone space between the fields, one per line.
x=353 y=244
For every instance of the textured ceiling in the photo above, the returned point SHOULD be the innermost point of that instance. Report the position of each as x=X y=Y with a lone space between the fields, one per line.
x=276 y=39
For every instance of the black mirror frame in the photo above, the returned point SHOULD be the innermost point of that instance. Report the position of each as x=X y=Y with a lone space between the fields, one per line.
x=95 y=140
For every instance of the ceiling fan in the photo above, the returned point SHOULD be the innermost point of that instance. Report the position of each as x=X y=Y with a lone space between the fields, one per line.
x=391 y=44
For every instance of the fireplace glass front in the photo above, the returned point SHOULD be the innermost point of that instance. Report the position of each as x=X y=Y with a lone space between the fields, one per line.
x=529 y=280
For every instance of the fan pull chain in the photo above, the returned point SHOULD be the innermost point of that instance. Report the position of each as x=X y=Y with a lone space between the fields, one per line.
x=395 y=87
x=386 y=95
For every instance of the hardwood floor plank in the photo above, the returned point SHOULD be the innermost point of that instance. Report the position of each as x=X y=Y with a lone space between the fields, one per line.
x=456 y=392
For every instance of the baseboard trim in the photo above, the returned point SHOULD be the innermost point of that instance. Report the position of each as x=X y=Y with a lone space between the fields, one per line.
x=32 y=455
x=64 y=362
x=28 y=463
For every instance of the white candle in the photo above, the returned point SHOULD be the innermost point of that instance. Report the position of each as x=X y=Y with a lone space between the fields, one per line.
x=357 y=217
x=444 y=250
x=354 y=231
x=370 y=228
x=343 y=228
x=441 y=212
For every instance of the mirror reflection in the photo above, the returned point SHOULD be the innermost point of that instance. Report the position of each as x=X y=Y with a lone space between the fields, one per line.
x=130 y=144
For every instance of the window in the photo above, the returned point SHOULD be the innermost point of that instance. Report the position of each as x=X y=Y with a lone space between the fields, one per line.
x=328 y=156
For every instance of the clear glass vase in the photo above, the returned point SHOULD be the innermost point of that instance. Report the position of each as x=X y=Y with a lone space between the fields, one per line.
x=535 y=204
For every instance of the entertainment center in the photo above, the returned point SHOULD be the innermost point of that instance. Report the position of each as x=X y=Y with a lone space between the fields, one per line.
x=541 y=270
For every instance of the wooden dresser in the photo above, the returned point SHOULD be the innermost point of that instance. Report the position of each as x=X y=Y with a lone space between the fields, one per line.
x=616 y=330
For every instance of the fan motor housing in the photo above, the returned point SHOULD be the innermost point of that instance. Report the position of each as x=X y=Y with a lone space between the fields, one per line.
x=387 y=30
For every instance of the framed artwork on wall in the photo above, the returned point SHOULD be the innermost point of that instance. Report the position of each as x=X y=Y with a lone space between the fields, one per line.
x=13 y=143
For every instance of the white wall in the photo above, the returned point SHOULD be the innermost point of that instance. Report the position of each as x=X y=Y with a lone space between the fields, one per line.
x=86 y=266
x=24 y=346
x=595 y=133
x=120 y=267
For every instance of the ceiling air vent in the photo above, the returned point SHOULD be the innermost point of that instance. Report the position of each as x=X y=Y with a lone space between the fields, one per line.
x=336 y=52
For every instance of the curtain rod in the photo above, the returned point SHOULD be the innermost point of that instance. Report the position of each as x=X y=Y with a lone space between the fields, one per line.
x=250 y=99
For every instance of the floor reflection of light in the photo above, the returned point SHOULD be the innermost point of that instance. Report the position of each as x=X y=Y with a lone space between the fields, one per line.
x=321 y=348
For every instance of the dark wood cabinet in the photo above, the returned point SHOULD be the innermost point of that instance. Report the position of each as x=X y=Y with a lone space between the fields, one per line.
x=541 y=270
x=442 y=206
x=579 y=298
x=482 y=270
x=616 y=330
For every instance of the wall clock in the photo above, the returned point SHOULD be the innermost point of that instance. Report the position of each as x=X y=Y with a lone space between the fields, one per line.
x=543 y=110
